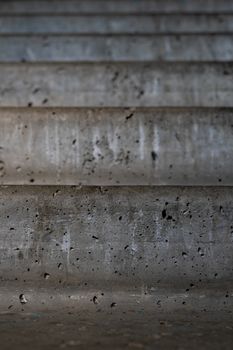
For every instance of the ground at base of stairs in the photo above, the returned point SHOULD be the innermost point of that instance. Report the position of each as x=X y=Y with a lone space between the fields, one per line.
x=116 y=325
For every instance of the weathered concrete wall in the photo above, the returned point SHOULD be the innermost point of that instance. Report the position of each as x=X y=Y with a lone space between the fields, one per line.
x=117 y=84
x=116 y=146
x=115 y=24
x=119 y=48
x=125 y=236
x=119 y=6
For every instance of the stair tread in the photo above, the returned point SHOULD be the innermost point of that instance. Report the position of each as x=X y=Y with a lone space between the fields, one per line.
x=135 y=321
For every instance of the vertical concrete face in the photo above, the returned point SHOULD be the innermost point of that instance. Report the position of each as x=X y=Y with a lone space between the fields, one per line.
x=112 y=6
x=130 y=237
x=116 y=24
x=120 y=48
x=119 y=85
x=116 y=146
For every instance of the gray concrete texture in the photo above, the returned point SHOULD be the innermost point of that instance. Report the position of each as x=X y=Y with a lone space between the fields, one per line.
x=116 y=237
x=119 y=6
x=116 y=146
x=176 y=301
x=131 y=266
x=116 y=24
x=92 y=48
x=136 y=84
x=135 y=325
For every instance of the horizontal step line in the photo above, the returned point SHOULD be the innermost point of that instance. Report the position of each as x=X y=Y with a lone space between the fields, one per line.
x=118 y=63
x=215 y=15
x=120 y=109
x=115 y=35
x=111 y=14
x=102 y=187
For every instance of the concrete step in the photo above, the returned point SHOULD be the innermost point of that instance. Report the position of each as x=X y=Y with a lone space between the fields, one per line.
x=116 y=146
x=172 y=300
x=112 y=6
x=116 y=84
x=92 y=48
x=131 y=266
x=116 y=322
x=116 y=24
x=116 y=238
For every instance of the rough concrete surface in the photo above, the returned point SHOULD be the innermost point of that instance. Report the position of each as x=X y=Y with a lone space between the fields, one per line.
x=116 y=24
x=116 y=268
x=131 y=266
x=135 y=237
x=113 y=6
x=117 y=84
x=116 y=146
x=107 y=321
x=131 y=327
x=92 y=48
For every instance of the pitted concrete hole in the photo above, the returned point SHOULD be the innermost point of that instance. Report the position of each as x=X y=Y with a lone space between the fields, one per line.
x=201 y=252
x=22 y=299
x=95 y=300
x=2 y=168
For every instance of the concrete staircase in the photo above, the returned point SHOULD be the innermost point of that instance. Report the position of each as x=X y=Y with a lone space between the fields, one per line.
x=116 y=173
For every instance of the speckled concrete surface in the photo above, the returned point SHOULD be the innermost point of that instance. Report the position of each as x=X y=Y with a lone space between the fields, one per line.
x=120 y=48
x=112 y=6
x=132 y=266
x=123 y=84
x=118 y=236
x=150 y=146
x=116 y=24
x=146 y=268
x=115 y=327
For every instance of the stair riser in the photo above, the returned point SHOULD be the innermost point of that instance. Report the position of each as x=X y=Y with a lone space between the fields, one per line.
x=117 y=85
x=124 y=48
x=122 y=6
x=116 y=146
x=113 y=24
x=141 y=236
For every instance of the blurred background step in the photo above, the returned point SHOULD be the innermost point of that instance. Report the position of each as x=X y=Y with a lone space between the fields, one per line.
x=116 y=84
x=116 y=24
x=116 y=146
x=92 y=48
x=113 y=6
x=124 y=237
